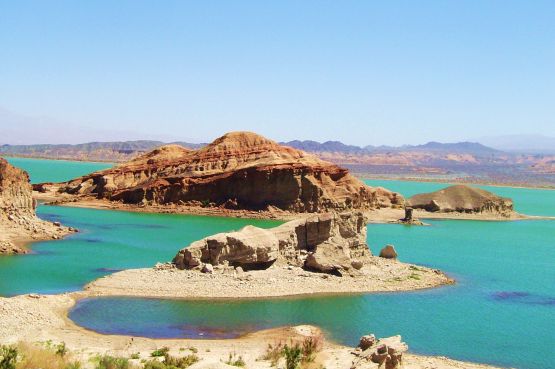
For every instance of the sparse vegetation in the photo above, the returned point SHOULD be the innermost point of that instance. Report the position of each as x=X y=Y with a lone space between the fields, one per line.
x=61 y=349
x=111 y=362
x=414 y=276
x=160 y=352
x=311 y=345
x=194 y=350
x=296 y=354
x=171 y=362
x=273 y=353
x=135 y=356
x=8 y=357
x=236 y=361
x=26 y=356
x=293 y=356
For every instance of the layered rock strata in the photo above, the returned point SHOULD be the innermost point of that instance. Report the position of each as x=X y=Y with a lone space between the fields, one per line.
x=462 y=199
x=330 y=243
x=18 y=221
x=240 y=170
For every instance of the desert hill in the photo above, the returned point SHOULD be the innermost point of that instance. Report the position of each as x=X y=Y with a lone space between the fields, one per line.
x=462 y=198
x=240 y=170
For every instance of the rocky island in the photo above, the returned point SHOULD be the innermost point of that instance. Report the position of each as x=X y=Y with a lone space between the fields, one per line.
x=462 y=199
x=238 y=172
x=319 y=254
x=18 y=221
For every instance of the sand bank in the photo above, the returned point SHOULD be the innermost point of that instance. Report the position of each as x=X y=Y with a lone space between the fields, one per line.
x=379 y=275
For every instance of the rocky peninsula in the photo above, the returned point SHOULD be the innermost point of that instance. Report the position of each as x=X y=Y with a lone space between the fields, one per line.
x=238 y=172
x=18 y=221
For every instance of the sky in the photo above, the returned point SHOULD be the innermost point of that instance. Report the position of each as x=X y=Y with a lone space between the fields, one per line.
x=362 y=72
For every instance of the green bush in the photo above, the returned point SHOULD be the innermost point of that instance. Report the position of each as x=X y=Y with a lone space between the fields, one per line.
x=160 y=352
x=293 y=356
x=110 y=362
x=8 y=357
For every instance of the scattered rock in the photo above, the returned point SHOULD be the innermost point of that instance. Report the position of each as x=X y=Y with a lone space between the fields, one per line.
x=386 y=352
x=366 y=342
x=388 y=252
x=207 y=268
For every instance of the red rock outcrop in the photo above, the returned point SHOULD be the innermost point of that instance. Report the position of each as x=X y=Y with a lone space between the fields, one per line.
x=240 y=170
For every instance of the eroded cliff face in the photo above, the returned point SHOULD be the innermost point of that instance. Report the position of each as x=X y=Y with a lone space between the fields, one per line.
x=16 y=194
x=17 y=212
x=330 y=243
x=240 y=170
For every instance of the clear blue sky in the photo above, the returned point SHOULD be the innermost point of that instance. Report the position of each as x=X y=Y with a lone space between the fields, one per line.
x=363 y=72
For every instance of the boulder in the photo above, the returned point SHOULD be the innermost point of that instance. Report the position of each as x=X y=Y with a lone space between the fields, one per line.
x=366 y=342
x=386 y=352
x=388 y=252
x=207 y=268
x=329 y=243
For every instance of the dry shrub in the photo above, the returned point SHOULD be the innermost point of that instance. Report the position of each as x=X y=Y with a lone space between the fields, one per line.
x=273 y=353
x=311 y=346
x=33 y=356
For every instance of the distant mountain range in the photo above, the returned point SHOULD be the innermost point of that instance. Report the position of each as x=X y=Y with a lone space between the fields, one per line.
x=464 y=161
x=339 y=147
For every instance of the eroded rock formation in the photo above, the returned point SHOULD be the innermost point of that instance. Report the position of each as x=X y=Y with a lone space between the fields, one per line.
x=17 y=211
x=386 y=352
x=240 y=170
x=463 y=199
x=330 y=243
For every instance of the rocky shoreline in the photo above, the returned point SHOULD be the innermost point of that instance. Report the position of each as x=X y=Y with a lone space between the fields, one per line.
x=19 y=224
x=165 y=281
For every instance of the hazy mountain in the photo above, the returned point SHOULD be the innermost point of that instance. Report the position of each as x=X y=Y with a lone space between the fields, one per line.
x=536 y=144
x=328 y=146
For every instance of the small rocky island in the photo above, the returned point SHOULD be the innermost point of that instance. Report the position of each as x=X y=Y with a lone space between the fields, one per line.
x=318 y=254
x=238 y=171
x=18 y=221
x=462 y=199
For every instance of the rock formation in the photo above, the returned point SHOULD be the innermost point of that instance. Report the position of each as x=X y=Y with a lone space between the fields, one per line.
x=463 y=199
x=388 y=252
x=240 y=170
x=386 y=352
x=330 y=243
x=17 y=211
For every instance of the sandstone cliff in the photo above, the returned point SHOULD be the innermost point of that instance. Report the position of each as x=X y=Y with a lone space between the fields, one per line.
x=239 y=170
x=463 y=199
x=331 y=243
x=18 y=221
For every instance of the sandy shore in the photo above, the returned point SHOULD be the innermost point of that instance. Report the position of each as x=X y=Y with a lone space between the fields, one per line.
x=380 y=275
x=37 y=318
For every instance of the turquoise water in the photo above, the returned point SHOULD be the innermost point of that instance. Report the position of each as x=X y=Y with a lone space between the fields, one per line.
x=44 y=170
x=526 y=200
x=108 y=241
x=501 y=311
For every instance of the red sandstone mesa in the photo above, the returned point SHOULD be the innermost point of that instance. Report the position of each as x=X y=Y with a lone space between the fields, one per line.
x=240 y=170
